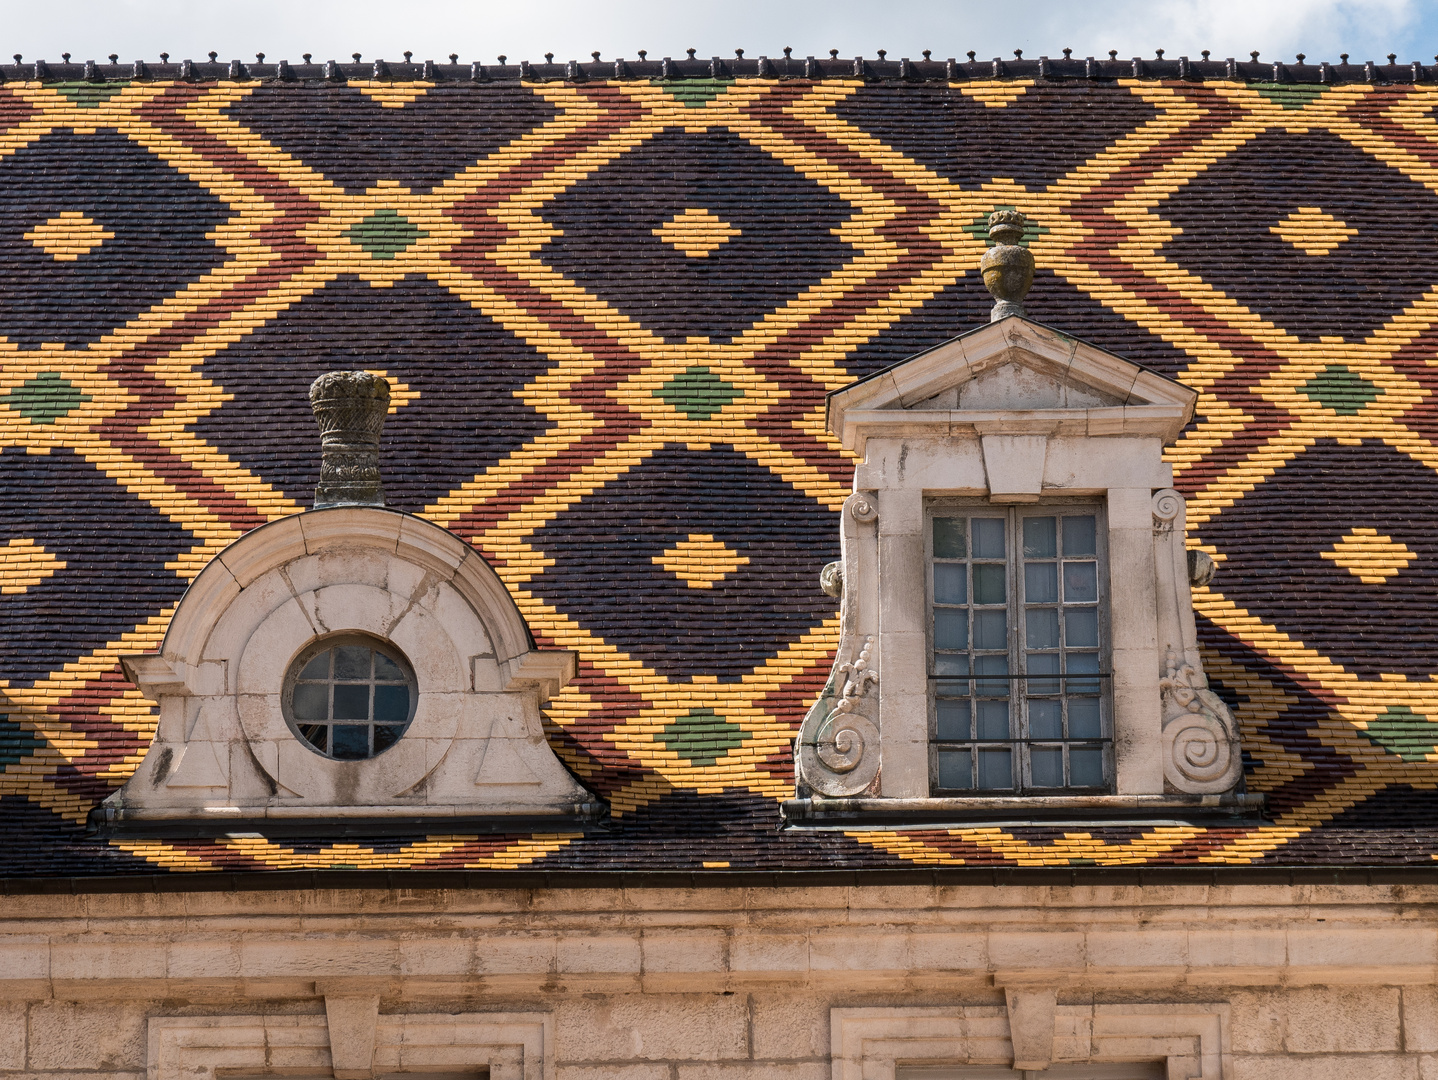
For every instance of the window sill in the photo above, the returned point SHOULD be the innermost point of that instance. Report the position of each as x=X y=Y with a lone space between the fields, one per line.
x=1084 y=810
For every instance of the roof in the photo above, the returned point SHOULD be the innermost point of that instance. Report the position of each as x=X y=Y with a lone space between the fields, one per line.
x=611 y=310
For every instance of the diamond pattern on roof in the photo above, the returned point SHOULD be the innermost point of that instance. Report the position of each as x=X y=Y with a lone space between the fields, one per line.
x=616 y=423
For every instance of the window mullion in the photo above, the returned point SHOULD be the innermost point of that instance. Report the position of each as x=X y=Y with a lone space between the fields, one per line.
x=1016 y=653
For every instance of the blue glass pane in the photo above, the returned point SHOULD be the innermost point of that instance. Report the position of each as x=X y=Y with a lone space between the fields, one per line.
x=1041 y=583
x=955 y=769
x=952 y=721
x=386 y=670
x=1086 y=767
x=1046 y=766
x=989 y=538
x=996 y=769
x=993 y=720
x=1042 y=664
x=1046 y=720
x=352 y=662
x=351 y=702
x=992 y=665
x=391 y=704
x=991 y=629
x=1041 y=628
x=1080 y=582
x=990 y=583
x=1079 y=536
x=1084 y=721
x=1081 y=627
x=1079 y=663
x=951 y=584
x=351 y=741
x=951 y=665
x=948 y=538
x=311 y=701
x=1040 y=538
x=385 y=737
x=318 y=668
x=951 y=629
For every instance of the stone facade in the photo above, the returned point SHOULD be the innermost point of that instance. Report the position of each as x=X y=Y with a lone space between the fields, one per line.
x=1244 y=982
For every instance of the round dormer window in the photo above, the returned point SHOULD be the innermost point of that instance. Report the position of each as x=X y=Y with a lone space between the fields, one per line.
x=350 y=697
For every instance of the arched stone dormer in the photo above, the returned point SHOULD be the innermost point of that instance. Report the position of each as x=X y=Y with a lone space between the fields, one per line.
x=239 y=739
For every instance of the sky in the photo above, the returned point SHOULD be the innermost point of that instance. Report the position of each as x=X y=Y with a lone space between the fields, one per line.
x=572 y=29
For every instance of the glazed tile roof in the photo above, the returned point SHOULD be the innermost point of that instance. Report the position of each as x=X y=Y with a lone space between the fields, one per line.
x=610 y=309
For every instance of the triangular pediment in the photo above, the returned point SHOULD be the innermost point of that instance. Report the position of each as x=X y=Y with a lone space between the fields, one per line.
x=1017 y=369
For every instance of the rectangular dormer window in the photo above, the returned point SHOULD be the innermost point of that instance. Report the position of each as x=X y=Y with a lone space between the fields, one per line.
x=1018 y=682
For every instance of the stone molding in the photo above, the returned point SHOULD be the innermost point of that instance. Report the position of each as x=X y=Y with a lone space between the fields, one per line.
x=514 y=1046
x=1190 y=1039
x=223 y=751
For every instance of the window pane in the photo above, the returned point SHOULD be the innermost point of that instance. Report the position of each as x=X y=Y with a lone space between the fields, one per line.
x=315 y=734
x=311 y=701
x=351 y=702
x=991 y=629
x=951 y=665
x=1041 y=628
x=1040 y=538
x=1046 y=766
x=989 y=538
x=351 y=741
x=1084 y=720
x=1041 y=583
x=951 y=629
x=993 y=720
x=955 y=769
x=953 y=720
x=1078 y=664
x=385 y=737
x=1080 y=582
x=989 y=583
x=386 y=670
x=318 y=668
x=951 y=584
x=1081 y=627
x=1042 y=664
x=1079 y=536
x=391 y=704
x=992 y=665
x=1046 y=720
x=352 y=662
x=1086 y=767
x=948 y=538
x=996 y=770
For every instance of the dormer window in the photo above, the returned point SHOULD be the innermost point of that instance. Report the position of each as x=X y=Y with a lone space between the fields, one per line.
x=350 y=697
x=1018 y=671
x=1017 y=636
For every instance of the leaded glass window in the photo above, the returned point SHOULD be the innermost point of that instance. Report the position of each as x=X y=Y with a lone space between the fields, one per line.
x=1018 y=681
x=350 y=698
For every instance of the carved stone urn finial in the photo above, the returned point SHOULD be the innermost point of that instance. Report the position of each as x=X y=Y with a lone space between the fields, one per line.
x=350 y=407
x=1008 y=269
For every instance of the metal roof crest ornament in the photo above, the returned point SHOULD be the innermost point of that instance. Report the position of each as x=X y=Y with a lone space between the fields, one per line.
x=1007 y=267
x=350 y=407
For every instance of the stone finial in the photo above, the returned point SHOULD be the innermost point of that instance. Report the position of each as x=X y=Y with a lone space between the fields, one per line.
x=350 y=407
x=1008 y=269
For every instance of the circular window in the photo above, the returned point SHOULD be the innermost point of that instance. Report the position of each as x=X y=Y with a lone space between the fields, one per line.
x=350 y=698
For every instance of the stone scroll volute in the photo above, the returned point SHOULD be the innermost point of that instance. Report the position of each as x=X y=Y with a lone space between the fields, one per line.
x=837 y=750
x=1201 y=753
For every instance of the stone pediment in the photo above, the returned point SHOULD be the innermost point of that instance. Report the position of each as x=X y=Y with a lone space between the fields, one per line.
x=1012 y=376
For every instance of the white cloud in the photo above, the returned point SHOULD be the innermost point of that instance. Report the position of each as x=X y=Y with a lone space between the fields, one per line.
x=480 y=29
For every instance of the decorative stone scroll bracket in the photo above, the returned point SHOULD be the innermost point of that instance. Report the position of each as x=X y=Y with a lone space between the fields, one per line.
x=1201 y=751
x=837 y=750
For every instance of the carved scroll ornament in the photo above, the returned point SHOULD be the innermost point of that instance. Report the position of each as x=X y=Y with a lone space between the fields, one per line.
x=838 y=746
x=1201 y=753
